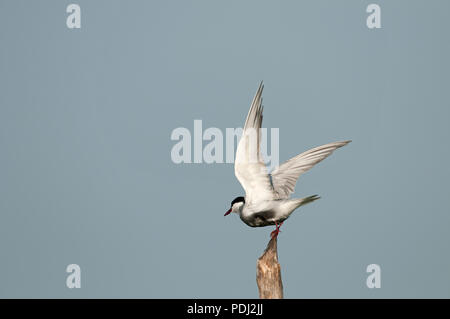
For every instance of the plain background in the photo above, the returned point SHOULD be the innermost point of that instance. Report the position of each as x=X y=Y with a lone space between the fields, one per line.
x=86 y=175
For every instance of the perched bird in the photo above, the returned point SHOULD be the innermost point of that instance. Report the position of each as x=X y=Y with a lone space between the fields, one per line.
x=266 y=200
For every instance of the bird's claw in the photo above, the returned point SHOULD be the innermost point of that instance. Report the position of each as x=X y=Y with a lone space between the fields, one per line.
x=277 y=230
x=275 y=233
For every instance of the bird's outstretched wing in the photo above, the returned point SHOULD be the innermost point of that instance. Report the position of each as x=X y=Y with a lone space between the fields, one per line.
x=285 y=176
x=249 y=167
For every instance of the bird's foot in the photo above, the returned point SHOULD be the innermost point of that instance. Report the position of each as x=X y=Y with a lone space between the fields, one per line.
x=277 y=230
x=275 y=233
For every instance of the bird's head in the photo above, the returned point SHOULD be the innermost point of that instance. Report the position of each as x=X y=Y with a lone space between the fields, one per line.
x=236 y=205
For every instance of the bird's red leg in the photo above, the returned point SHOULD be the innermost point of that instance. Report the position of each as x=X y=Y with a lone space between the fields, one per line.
x=277 y=230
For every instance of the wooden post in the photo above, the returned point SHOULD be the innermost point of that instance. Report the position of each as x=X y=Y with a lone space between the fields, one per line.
x=268 y=273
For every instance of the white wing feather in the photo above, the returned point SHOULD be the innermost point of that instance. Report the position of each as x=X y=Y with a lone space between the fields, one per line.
x=285 y=176
x=249 y=167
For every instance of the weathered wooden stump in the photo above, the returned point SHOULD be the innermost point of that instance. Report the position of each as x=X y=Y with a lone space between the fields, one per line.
x=268 y=273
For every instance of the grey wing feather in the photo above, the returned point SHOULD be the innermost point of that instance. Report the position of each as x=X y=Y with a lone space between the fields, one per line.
x=285 y=176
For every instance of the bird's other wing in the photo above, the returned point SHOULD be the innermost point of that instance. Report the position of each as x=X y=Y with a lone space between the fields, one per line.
x=285 y=176
x=249 y=167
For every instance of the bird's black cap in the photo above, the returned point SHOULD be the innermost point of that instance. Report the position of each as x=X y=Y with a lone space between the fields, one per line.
x=237 y=200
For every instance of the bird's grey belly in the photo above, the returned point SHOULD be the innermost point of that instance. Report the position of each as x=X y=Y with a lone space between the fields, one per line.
x=260 y=219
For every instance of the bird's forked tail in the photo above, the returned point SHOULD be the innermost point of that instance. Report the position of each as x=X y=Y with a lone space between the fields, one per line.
x=291 y=205
x=306 y=200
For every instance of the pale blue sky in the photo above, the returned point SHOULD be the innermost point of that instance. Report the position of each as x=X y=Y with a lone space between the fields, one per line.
x=85 y=169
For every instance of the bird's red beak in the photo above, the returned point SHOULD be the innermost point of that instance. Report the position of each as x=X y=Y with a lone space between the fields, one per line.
x=228 y=211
